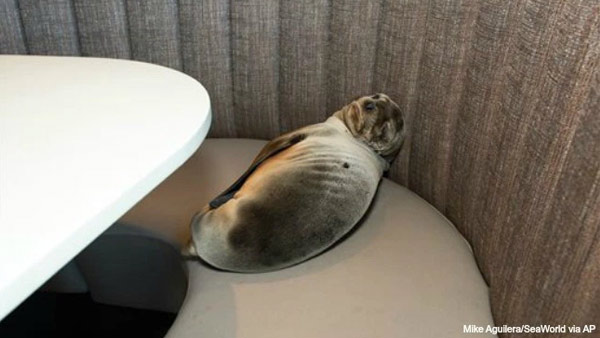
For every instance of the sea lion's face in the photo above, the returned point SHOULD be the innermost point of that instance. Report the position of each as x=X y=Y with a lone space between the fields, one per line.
x=377 y=121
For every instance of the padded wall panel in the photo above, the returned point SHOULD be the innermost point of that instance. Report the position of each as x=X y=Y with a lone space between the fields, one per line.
x=501 y=100
x=255 y=58
x=303 y=52
x=50 y=27
x=542 y=140
x=352 y=47
x=154 y=31
x=440 y=85
x=480 y=114
x=103 y=30
x=206 y=50
x=530 y=66
x=573 y=277
x=12 y=41
x=513 y=109
x=397 y=65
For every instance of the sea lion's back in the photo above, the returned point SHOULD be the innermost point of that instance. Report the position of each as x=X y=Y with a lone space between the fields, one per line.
x=305 y=198
x=303 y=191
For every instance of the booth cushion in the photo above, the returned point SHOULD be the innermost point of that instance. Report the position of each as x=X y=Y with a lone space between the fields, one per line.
x=404 y=272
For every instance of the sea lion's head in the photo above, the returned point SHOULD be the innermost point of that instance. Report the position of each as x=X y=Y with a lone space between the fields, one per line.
x=377 y=121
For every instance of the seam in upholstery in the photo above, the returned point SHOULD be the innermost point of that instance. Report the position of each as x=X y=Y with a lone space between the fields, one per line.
x=377 y=44
x=279 y=67
x=572 y=105
x=488 y=106
x=232 y=72
x=327 y=72
x=128 y=28
x=178 y=33
x=591 y=249
x=529 y=106
x=505 y=304
x=76 y=28
x=22 y=24
x=279 y=72
x=467 y=32
x=416 y=93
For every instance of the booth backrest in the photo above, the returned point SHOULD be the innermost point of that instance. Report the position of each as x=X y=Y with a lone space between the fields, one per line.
x=502 y=100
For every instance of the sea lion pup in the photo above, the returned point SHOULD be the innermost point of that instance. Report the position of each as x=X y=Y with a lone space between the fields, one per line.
x=303 y=191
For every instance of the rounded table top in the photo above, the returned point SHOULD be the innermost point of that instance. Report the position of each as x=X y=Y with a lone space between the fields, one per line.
x=81 y=141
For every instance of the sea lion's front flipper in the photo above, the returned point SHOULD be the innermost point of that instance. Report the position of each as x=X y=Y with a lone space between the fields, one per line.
x=272 y=148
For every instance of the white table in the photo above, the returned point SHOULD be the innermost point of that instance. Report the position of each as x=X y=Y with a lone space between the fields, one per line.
x=81 y=141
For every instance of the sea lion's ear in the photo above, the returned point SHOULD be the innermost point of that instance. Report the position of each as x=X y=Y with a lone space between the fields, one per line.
x=272 y=148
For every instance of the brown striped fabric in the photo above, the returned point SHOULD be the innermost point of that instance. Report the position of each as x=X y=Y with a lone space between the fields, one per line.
x=255 y=67
x=206 y=48
x=304 y=37
x=502 y=101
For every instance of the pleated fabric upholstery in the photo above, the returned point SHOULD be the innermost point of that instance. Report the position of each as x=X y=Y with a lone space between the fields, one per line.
x=104 y=32
x=501 y=98
x=49 y=27
x=206 y=54
x=304 y=41
x=12 y=40
x=255 y=67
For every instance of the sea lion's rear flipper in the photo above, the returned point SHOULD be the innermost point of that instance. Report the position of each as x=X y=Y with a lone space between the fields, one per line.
x=272 y=148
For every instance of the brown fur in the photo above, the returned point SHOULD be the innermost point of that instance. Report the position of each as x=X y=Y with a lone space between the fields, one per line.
x=381 y=129
x=303 y=192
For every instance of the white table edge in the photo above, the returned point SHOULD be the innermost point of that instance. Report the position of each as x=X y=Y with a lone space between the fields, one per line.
x=14 y=294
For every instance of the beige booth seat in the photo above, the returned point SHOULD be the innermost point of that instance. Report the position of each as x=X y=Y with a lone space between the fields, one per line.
x=404 y=272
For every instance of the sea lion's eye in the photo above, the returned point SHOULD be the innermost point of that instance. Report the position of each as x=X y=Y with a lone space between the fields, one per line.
x=369 y=106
